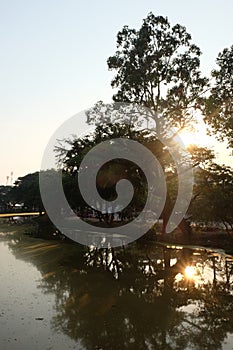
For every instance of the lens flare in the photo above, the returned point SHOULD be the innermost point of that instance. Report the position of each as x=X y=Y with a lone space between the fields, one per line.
x=189 y=271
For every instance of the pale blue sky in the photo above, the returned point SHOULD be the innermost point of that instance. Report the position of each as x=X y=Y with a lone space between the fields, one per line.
x=53 y=61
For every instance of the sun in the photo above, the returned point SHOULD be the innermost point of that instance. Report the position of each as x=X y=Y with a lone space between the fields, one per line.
x=189 y=271
x=197 y=137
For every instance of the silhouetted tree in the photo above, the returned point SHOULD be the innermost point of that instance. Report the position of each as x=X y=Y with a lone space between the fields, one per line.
x=219 y=105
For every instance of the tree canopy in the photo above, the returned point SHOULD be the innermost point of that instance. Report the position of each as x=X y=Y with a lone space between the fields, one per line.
x=26 y=191
x=159 y=67
x=214 y=195
x=219 y=105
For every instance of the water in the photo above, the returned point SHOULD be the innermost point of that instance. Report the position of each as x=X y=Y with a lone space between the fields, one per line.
x=55 y=295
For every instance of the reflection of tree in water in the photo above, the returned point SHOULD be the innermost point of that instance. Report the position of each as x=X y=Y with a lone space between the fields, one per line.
x=136 y=298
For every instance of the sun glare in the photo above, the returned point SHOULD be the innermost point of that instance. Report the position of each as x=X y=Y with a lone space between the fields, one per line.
x=197 y=137
x=189 y=271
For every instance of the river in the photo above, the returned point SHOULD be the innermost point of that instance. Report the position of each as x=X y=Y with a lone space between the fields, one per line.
x=56 y=295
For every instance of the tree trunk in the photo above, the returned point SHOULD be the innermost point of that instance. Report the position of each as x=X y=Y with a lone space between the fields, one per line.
x=184 y=225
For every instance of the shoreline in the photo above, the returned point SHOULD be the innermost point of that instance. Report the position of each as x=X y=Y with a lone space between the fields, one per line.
x=211 y=240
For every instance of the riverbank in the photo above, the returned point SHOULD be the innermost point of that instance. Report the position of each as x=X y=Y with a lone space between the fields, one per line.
x=215 y=240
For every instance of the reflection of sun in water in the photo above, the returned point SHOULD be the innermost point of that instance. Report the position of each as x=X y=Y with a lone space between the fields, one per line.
x=189 y=271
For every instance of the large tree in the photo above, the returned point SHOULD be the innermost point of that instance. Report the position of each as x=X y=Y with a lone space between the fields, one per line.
x=159 y=67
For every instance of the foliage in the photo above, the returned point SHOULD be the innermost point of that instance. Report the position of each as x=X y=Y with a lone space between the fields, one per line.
x=219 y=105
x=118 y=169
x=214 y=192
x=4 y=198
x=26 y=190
x=110 y=173
x=158 y=66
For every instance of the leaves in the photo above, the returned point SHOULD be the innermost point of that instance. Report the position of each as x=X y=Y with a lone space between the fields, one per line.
x=219 y=105
x=158 y=66
x=214 y=190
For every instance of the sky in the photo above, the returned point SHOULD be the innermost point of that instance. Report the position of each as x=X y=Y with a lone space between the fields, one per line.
x=53 y=62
